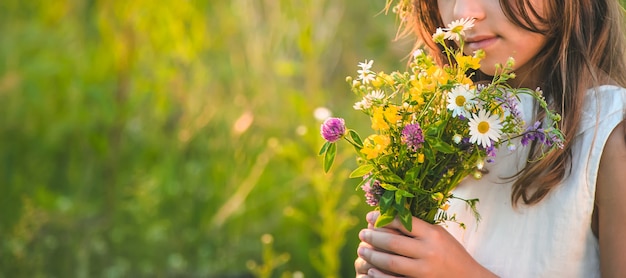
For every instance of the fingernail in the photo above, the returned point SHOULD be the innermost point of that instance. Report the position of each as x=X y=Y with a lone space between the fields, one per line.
x=364 y=234
x=362 y=251
x=371 y=217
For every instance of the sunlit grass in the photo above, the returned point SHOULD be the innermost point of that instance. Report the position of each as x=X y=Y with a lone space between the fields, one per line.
x=144 y=139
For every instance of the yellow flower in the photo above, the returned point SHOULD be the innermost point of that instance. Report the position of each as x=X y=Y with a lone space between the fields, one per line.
x=426 y=82
x=439 y=76
x=416 y=95
x=463 y=79
x=420 y=158
x=389 y=79
x=379 y=80
x=381 y=117
x=480 y=54
x=382 y=79
x=467 y=62
x=378 y=119
x=375 y=145
x=437 y=196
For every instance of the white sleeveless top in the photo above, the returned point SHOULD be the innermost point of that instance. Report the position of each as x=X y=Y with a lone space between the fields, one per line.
x=552 y=238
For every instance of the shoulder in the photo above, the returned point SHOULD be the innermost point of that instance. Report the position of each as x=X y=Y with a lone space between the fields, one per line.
x=610 y=189
x=614 y=153
x=613 y=159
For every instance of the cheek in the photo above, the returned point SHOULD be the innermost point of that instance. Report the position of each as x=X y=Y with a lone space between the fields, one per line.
x=446 y=10
x=530 y=47
x=524 y=48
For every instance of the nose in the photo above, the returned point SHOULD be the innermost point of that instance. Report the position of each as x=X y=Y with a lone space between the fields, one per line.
x=469 y=9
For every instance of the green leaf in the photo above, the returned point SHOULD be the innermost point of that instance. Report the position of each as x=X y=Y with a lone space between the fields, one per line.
x=407 y=220
x=385 y=218
x=405 y=193
x=355 y=138
x=324 y=147
x=362 y=170
x=443 y=147
x=386 y=200
x=388 y=186
x=439 y=145
x=411 y=174
x=329 y=156
x=388 y=176
x=404 y=214
x=432 y=130
x=368 y=179
x=429 y=154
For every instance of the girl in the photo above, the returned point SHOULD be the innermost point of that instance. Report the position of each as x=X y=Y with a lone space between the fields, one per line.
x=562 y=216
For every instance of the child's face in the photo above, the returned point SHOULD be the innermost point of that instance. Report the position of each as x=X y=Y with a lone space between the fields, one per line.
x=494 y=33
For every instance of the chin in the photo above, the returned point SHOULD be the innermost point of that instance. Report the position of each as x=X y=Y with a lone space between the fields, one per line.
x=488 y=69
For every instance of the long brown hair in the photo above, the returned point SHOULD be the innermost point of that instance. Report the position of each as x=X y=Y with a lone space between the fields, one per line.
x=585 y=48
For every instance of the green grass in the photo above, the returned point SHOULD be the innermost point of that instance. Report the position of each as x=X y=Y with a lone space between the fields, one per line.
x=160 y=139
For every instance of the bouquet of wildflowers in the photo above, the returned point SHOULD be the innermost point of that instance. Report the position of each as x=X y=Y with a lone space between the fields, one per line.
x=432 y=127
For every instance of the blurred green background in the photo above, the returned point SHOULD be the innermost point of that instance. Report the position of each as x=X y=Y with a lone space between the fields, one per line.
x=178 y=138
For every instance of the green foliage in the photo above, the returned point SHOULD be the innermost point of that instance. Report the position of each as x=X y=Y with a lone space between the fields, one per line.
x=270 y=259
x=143 y=138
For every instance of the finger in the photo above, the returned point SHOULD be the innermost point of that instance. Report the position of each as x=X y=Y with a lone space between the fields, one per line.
x=361 y=266
x=371 y=220
x=364 y=268
x=386 y=264
x=372 y=216
x=418 y=227
x=375 y=273
x=367 y=245
x=390 y=242
x=386 y=230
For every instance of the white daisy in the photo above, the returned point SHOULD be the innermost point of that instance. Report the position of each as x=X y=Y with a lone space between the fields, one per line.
x=417 y=53
x=364 y=104
x=459 y=99
x=377 y=95
x=365 y=74
x=367 y=65
x=439 y=35
x=456 y=29
x=483 y=128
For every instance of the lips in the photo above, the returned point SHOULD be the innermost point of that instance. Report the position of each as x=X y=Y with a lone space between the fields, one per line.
x=480 y=42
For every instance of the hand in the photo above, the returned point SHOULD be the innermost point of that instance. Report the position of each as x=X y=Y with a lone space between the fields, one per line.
x=360 y=265
x=427 y=251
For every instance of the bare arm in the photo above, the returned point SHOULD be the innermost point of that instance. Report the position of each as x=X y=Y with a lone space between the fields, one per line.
x=611 y=204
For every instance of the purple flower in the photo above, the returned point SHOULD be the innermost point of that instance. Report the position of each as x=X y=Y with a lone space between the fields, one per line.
x=491 y=150
x=333 y=129
x=373 y=191
x=491 y=153
x=510 y=102
x=556 y=140
x=412 y=136
x=526 y=138
x=534 y=132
